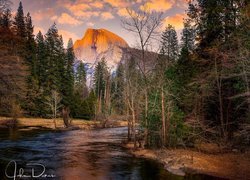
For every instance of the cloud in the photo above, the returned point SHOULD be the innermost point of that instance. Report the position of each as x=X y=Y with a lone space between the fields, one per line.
x=87 y=14
x=158 y=5
x=176 y=21
x=37 y=29
x=78 y=7
x=81 y=10
x=117 y=3
x=123 y=12
x=66 y=36
x=67 y=19
x=183 y=4
x=90 y=24
x=97 y=4
x=107 y=16
x=53 y=18
x=43 y=14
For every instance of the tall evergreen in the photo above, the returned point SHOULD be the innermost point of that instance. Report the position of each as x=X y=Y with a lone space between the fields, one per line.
x=30 y=53
x=100 y=76
x=118 y=89
x=20 y=30
x=80 y=85
x=68 y=85
x=169 y=43
x=5 y=19
x=188 y=37
x=42 y=59
x=54 y=48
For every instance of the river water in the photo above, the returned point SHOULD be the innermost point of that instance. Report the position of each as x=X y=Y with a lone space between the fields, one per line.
x=73 y=155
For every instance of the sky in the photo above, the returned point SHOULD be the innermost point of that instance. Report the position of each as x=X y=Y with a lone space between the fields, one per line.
x=73 y=17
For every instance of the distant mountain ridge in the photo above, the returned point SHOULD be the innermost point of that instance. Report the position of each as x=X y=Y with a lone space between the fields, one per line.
x=100 y=43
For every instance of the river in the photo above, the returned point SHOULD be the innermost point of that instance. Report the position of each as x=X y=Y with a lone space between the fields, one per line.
x=73 y=155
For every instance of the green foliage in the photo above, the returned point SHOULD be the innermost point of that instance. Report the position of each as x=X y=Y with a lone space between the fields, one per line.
x=117 y=90
x=178 y=131
x=100 y=78
x=84 y=108
x=169 y=43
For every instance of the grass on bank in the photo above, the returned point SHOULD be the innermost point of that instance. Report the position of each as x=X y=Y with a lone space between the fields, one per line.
x=49 y=123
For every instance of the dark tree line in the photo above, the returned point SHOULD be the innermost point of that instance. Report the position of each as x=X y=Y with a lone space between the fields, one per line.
x=35 y=67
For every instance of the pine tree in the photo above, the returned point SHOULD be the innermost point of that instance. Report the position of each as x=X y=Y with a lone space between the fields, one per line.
x=7 y=38
x=20 y=31
x=100 y=83
x=54 y=48
x=80 y=81
x=118 y=90
x=100 y=75
x=30 y=47
x=68 y=86
x=29 y=55
x=41 y=57
x=169 y=43
x=5 y=19
x=188 y=37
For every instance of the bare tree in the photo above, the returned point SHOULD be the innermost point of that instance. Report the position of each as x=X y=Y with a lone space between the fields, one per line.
x=131 y=96
x=145 y=24
x=54 y=102
x=4 y=5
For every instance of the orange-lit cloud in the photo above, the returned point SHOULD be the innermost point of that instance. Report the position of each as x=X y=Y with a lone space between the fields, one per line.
x=123 y=12
x=117 y=3
x=90 y=24
x=158 y=5
x=176 y=21
x=107 y=16
x=67 y=19
x=97 y=4
x=53 y=18
x=44 y=14
x=66 y=35
x=87 y=14
x=37 y=29
x=78 y=7
x=182 y=4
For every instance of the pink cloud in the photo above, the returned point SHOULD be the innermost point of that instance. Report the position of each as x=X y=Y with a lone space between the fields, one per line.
x=176 y=21
x=117 y=3
x=37 y=29
x=44 y=14
x=97 y=4
x=158 y=5
x=67 y=19
x=67 y=35
x=90 y=24
x=107 y=16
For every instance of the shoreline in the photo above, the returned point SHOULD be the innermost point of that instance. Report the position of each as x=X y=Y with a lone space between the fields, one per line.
x=34 y=123
x=228 y=165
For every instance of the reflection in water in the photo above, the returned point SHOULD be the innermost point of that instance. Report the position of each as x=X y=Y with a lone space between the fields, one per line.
x=94 y=154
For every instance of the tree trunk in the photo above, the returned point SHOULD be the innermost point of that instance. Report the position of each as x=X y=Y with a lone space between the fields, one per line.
x=129 y=125
x=146 y=118
x=133 y=121
x=218 y=81
x=65 y=113
x=133 y=127
x=54 y=120
x=163 y=117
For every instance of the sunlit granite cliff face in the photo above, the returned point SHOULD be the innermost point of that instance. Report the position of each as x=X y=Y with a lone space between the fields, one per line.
x=100 y=43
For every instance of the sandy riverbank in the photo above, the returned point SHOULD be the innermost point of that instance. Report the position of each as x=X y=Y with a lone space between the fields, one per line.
x=49 y=123
x=180 y=161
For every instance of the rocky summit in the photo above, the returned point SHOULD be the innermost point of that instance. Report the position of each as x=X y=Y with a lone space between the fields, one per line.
x=100 y=43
